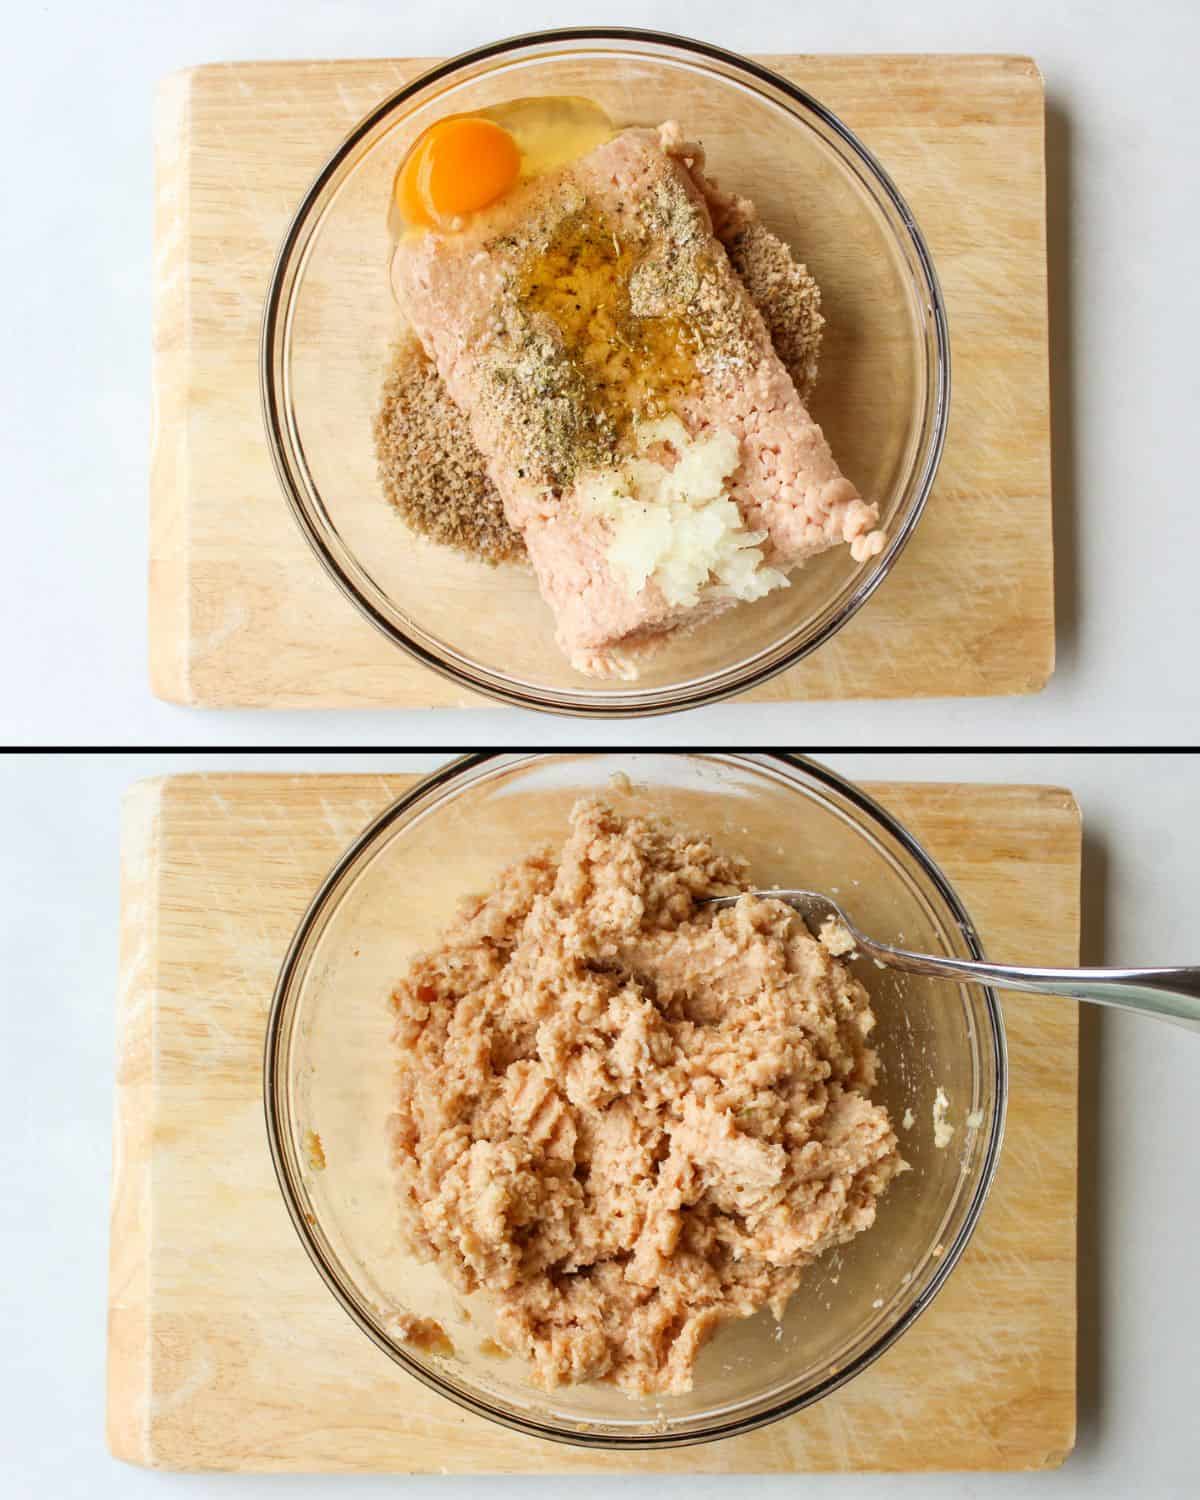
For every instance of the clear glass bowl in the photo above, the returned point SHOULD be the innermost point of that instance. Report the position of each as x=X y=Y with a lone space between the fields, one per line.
x=329 y=1069
x=331 y=323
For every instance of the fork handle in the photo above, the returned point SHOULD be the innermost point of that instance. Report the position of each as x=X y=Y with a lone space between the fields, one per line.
x=1171 y=994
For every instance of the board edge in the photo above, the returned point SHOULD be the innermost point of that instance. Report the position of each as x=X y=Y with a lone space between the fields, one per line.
x=168 y=580
x=128 y=1393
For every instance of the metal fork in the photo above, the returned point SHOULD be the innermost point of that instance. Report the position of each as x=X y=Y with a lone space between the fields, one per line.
x=1170 y=994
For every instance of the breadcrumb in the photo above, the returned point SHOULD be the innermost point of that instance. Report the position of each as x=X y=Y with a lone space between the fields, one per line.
x=430 y=469
x=787 y=296
x=314 y=1151
x=782 y=289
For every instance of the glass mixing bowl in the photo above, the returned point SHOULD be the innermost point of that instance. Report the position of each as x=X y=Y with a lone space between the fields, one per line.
x=329 y=1070
x=331 y=325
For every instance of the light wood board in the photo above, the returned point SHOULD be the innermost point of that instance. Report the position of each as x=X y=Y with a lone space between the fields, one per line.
x=227 y=1351
x=241 y=613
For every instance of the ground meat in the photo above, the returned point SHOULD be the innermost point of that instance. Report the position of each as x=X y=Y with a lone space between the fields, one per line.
x=426 y=1334
x=627 y=1118
x=436 y=477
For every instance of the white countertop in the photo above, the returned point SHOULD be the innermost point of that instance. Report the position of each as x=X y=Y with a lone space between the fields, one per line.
x=1140 y=1119
x=75 y=255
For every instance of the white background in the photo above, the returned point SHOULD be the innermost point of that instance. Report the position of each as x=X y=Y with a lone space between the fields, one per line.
x=1140 y=1120
x=75 y=256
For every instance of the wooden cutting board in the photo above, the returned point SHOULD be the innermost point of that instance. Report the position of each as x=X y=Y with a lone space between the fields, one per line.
x=241 y=613
x=226 y=1351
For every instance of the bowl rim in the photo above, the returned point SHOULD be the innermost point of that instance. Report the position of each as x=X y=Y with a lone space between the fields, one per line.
x=620 y=702
x=273 y=1079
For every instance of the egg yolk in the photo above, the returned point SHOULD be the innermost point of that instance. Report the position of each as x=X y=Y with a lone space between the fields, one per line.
x=457 y=167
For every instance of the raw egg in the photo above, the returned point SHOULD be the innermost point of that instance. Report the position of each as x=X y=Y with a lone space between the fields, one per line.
x=552 y=131
x=465 y=163
x=457 y=167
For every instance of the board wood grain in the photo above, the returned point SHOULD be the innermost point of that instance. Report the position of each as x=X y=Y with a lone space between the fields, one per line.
x=241 y=614
x=226 y=1351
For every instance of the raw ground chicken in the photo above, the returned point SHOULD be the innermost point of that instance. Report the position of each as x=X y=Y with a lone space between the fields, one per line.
x=553 y=345
x=626 y=1119
x=436 y=477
